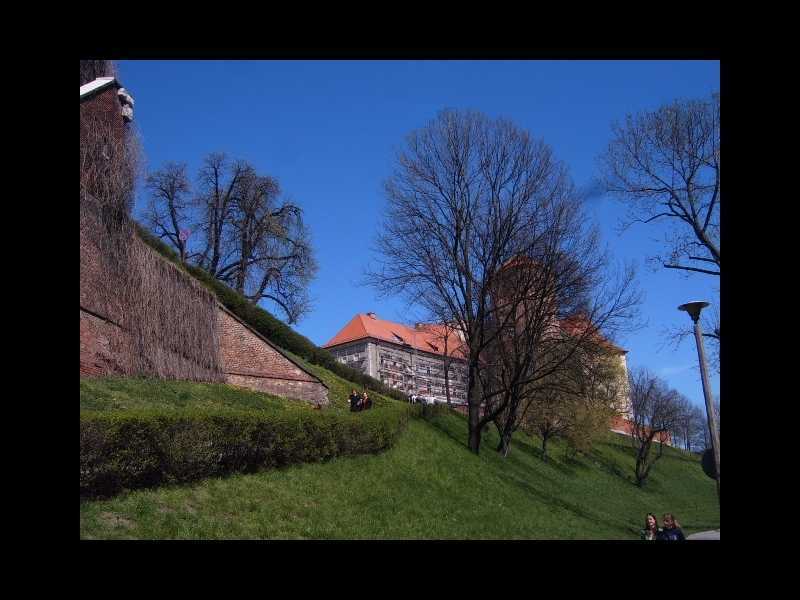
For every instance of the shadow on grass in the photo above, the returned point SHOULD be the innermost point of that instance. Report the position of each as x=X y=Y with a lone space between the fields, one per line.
x=609 y=466
x=452 y=429
x=551 y=461
x=579 y=511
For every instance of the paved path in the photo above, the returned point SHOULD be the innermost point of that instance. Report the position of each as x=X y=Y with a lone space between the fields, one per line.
x=704 y=535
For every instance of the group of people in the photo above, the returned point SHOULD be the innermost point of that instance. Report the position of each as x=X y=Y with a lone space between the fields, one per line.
x=359 y=402
x=670 y=532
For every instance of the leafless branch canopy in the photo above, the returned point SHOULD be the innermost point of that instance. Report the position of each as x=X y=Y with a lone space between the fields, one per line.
x=665 y=165
x=469 y=199
x=656 y=411
x=242 y=232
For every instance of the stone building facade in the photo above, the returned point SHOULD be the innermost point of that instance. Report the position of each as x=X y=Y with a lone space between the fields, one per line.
x=425 y=360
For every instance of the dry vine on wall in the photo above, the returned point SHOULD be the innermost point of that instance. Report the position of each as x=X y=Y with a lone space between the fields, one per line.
x=170 y=319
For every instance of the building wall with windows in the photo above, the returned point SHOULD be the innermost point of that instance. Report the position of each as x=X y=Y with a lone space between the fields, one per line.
x=405 y=368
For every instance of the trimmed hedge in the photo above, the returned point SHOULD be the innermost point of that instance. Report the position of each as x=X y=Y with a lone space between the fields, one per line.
x=266 y=324
x=144 y=448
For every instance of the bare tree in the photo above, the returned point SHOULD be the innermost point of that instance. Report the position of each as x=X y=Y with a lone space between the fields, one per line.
x=275 y=258
x=248 y=237
x=696 y=427
x=682 y=431
x=665 y=165
x=217 y=186
x=564 y=301
x=169 y=204
x=447 y=338
x=468 y=195
x=691 y=427
x=655 y=410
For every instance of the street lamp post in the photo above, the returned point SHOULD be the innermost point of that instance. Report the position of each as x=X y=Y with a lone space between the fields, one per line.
x=694 y=309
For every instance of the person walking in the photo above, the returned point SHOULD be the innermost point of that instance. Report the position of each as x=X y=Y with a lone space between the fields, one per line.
x=651 y=530
x=672 y=530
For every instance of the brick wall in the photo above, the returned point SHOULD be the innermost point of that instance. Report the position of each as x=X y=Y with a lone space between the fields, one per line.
x=105 y=107
x=104 y=347
x=250 y=361
x=625 y=427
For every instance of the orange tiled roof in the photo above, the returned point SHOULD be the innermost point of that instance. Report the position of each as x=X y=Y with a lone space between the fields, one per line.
x=426 y=337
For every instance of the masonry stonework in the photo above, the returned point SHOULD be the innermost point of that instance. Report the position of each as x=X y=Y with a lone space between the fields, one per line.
x=104 y=347
x=251 y=361
x=103 y=106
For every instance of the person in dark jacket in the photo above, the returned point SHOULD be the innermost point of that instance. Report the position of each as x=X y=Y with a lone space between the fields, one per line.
x=355 y=399
x=366 y=403
x=672 y=530
x=651 y=530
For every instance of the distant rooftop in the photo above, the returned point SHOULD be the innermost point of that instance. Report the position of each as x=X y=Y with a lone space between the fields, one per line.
x=425 y=337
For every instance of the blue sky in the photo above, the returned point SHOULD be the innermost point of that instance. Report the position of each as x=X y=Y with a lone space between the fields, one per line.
x=328 y=131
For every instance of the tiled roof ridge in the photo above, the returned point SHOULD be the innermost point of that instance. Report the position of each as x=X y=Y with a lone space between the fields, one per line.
x=427 y=337
x=422 y=339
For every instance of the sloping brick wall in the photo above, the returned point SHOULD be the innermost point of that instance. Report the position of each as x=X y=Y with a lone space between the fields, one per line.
x=108 y=326
x=109 y=323
x=251 y=361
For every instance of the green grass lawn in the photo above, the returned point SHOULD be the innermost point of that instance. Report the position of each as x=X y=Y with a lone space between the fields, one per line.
x=118 y=393
x=428 y=486
x=121 y=393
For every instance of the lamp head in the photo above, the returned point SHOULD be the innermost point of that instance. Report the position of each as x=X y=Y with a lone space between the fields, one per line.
x=694 y=308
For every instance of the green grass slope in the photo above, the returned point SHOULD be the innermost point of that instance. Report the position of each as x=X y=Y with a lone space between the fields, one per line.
x=428 y=486
x=120 y=393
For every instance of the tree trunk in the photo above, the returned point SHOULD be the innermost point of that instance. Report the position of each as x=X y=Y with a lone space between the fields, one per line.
x=505 y=444
x=447 y=378
x=474 y=431
x=642 y=466
x=505 y=438
x=544 y=448
x=474 y=406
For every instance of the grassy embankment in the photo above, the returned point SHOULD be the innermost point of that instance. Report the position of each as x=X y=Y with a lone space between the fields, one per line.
x=428 y=486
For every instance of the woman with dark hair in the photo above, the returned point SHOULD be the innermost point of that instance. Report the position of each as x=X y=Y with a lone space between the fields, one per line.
x=366 y=403
x=354 y=400
x=651 y=530
x=672 y=529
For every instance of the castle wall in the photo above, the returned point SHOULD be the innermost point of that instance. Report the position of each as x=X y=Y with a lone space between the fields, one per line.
x=251 y=361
